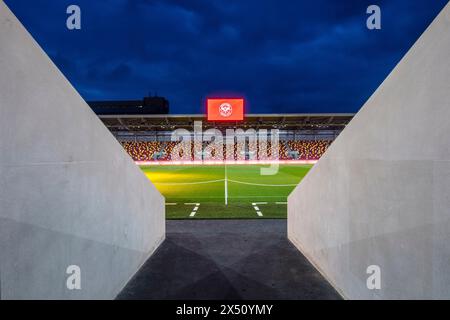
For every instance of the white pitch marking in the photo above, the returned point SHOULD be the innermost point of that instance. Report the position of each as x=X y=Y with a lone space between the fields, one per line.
x=280 y=202
x=258 y=211
x=226 y=185
x=171 y=204
x=194 y=211
x=192 y=204
x=263 y=185
x=186 y=183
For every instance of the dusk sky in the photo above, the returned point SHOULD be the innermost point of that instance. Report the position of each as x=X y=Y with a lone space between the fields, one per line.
x=282 y=56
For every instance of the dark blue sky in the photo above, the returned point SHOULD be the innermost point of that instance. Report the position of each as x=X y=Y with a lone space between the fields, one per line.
x=283 y=56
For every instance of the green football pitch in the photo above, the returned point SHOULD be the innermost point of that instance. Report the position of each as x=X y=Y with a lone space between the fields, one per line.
x=223 y=192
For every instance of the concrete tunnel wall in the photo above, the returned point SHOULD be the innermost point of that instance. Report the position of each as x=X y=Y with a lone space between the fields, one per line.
x=69 y=194
x=381 y=193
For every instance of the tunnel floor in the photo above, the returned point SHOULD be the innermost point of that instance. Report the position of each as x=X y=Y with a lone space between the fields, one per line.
x=227 y=259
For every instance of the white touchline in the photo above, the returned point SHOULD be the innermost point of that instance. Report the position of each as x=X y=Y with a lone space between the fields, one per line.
x=171 y=204
x=255 y=203
x=192 y=204
x=280 y=202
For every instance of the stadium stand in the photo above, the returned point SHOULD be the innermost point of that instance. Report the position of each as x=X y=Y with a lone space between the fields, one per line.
x=142 y=151
x=147 y=137
x=287 y=150
x=309 y=150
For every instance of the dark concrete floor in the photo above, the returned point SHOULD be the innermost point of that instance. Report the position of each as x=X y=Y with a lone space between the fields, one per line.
x=227 y=259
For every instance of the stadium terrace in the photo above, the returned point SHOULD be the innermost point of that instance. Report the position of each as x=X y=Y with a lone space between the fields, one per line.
x=149 y=138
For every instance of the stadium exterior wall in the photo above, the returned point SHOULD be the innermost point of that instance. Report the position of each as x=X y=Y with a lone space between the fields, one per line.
x=380 y=194
x=69 y=194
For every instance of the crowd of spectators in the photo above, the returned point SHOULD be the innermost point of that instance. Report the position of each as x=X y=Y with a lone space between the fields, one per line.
x=252 y=150
x=309 y=149
x=142 y=151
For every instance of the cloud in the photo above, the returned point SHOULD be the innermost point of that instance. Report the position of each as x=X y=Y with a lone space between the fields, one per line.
x=283 y=56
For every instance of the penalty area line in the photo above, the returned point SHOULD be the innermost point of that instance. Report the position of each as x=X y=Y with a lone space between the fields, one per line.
x=194 y=211
x=258 y=211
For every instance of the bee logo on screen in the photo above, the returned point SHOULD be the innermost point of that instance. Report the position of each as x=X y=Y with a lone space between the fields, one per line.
x=225 y=110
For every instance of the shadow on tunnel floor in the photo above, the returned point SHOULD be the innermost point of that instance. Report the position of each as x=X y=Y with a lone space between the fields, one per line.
x=227 y=260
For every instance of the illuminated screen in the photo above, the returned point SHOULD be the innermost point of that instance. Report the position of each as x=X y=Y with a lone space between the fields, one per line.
x=225 y=109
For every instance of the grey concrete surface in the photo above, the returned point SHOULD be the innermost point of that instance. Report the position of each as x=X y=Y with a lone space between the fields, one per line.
x=69 y=194
x=381 y=193
x=227 y=259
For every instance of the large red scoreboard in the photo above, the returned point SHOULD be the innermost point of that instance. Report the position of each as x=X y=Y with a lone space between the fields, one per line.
x=222 y=109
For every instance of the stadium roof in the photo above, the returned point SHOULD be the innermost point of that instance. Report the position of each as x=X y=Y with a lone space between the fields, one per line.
x=290 y=121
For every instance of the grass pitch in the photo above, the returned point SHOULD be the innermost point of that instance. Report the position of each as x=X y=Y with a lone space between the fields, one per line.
x=198 y=192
